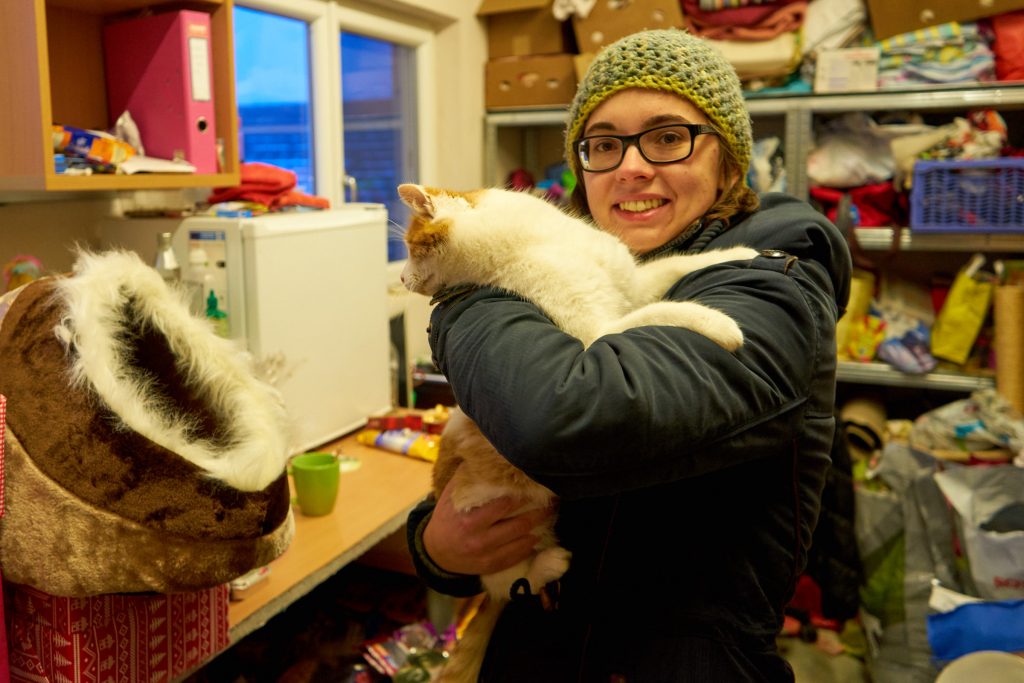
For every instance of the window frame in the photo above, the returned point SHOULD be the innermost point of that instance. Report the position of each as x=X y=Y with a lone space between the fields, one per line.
x=326 y=21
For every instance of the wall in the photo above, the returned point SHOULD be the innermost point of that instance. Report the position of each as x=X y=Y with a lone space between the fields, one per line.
x=48 y=230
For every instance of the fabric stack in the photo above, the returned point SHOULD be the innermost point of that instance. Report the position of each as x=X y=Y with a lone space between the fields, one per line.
x=940 y=55
x=761 y=38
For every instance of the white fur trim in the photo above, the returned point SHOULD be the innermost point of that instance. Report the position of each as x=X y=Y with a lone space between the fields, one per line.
x=93 y=299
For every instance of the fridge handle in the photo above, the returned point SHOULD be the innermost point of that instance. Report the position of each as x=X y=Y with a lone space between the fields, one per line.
x=353 y=188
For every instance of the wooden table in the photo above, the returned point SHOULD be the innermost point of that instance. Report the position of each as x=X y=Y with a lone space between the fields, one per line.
x=373 y=502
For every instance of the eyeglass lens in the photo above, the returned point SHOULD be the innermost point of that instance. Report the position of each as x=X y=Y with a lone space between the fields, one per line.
x=660 y=145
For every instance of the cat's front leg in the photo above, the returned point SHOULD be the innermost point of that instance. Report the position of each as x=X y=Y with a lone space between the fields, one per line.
x=704 y=320
x=654 y=278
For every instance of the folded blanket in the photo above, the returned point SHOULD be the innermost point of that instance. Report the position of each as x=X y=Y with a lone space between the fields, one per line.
x=266 y=184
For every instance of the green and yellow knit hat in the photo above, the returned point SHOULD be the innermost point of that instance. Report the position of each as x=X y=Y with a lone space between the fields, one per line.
x=674 y=61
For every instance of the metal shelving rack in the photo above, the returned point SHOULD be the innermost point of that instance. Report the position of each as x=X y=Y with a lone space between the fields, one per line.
x=881 y=374
x=798 y=113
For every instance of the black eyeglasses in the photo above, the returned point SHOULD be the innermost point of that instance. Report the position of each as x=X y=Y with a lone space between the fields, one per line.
x=659 y=145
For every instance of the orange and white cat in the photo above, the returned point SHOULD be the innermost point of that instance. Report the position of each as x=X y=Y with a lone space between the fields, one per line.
x=585 y=279
x=589 y=284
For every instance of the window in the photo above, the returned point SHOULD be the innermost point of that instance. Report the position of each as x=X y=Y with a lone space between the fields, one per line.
x=272 y=67
x=336 y=95
x=379 y=124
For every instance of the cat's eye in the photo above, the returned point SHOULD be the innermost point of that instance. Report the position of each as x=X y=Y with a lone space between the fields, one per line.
x=665 y=144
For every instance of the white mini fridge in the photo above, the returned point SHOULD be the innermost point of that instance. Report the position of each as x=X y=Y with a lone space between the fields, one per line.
x=306 y=293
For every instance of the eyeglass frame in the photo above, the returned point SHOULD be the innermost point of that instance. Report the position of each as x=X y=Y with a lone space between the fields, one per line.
x=633 y=140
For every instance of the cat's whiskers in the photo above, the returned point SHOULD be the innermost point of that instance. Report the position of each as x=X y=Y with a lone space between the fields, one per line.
x=396 y=230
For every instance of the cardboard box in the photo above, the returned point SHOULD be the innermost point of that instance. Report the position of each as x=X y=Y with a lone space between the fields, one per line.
x=608 y=22
x=538 y=81
x=581 y=63
x=890 y=18
x=516 y=28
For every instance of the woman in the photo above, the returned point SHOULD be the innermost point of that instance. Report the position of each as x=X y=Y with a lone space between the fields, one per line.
x=689 y=477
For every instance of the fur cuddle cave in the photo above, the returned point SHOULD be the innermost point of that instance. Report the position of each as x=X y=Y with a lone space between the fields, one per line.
x=143 y=454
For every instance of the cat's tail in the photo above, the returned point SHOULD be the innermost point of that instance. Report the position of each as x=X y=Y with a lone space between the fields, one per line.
x=466 y=659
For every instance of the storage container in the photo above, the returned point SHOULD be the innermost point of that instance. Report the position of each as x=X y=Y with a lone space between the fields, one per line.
x=968 y=196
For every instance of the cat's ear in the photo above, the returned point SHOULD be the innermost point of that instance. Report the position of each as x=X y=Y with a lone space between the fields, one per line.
x=417 y=199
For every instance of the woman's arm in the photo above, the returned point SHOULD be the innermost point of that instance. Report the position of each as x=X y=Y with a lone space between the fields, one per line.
x=647 y=405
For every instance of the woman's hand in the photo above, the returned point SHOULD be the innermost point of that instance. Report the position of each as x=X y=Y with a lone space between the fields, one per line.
x=481 y=541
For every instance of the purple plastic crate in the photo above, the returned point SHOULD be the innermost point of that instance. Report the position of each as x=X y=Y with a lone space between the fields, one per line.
x=968 y=196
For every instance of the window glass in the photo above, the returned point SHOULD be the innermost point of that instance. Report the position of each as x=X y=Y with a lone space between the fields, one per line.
x=378 y=103
x=272 y=75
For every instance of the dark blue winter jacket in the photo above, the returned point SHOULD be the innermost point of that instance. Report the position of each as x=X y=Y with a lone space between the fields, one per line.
x=690 y=477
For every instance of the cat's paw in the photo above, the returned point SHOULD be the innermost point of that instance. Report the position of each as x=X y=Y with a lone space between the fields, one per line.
x=725 y=332
x=549 y=565
x=741 y=253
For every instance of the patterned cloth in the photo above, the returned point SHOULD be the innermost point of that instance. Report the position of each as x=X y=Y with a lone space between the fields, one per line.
x=750 y=23
x=953 y=52
x=114 y=638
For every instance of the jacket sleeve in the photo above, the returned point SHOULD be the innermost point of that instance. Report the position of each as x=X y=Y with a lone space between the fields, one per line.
x=651 y=404
x=459 y=585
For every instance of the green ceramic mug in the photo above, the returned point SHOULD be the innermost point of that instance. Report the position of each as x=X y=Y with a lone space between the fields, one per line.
x=315 y=476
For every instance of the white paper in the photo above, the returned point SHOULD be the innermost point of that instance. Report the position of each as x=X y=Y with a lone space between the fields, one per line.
x=143 y=164
x=199 y=68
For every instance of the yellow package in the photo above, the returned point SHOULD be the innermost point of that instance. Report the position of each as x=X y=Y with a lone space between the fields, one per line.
x=862 y=289
x=405 y=441
x=963 y=313
x=94 y=145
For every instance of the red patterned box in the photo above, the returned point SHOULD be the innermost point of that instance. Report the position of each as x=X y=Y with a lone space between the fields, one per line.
x=113 y=638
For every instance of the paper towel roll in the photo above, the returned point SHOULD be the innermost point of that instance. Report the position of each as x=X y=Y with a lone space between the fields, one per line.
x=1009 y=342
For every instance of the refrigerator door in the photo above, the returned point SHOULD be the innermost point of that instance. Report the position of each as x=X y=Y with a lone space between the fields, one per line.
x=316 y=312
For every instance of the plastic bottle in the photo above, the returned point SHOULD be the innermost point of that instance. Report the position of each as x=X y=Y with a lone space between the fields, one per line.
x=218 y=317
x=199 y=278
x=166 y=262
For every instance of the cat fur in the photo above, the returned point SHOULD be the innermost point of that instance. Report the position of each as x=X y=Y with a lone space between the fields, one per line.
x=585 y=279
x=480 y=474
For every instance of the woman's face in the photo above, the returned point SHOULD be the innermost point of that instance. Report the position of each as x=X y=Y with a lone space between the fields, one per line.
x=647 y=204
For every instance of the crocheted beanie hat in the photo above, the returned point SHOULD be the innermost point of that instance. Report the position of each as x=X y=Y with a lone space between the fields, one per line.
x=674 y=61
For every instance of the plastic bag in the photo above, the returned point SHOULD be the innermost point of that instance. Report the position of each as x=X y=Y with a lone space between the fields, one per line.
x=964 y=624
x=990 y=504
x=963 y=313
x=981 y=427
x=850 y=153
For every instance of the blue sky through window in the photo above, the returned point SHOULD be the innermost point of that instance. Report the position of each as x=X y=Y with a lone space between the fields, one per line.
x=272 y=84
x=271 y=58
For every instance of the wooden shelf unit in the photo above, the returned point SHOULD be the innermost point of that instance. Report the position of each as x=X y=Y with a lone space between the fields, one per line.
x=51 y=71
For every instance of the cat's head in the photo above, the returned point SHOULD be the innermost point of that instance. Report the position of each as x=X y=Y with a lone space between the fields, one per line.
x=428 y=237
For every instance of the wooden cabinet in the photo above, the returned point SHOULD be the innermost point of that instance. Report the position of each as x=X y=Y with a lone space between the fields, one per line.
x=51 y=71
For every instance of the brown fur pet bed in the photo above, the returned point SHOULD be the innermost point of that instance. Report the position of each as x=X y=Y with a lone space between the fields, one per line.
x=142 y=453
